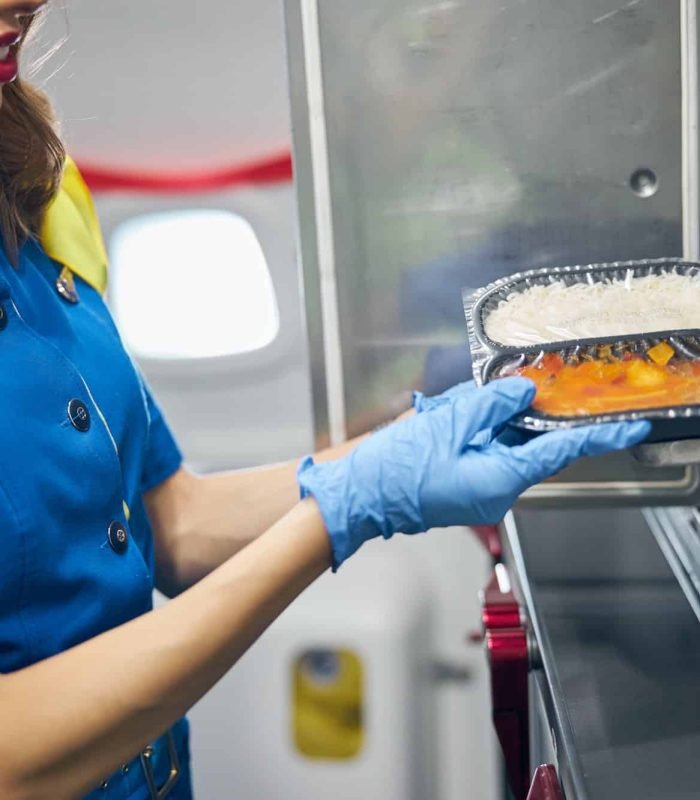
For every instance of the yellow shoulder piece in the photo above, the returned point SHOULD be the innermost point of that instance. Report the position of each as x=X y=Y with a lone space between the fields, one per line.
x=70 y=233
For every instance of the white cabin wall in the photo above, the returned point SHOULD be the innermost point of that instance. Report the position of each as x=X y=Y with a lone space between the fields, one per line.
x=169 y=84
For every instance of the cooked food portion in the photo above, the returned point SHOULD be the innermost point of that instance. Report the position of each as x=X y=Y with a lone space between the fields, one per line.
x=611 y=383
x=558 y=312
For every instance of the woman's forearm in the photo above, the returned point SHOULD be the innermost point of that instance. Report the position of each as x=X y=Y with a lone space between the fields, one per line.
x=201 y=521
x=60 y=743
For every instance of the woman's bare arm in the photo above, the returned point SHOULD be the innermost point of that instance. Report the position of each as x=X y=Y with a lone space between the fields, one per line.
x=200 y=521
x=68 y=722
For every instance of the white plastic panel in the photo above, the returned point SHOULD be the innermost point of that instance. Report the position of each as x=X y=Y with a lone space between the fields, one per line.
x=234 y=409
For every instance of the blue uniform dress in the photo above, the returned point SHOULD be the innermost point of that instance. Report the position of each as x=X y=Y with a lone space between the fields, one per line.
x=81 y=440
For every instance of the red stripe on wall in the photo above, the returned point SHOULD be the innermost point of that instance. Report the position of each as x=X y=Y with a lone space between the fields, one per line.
x=276 y=169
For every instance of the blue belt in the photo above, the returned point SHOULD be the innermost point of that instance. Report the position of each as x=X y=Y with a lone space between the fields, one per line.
x=160 y=772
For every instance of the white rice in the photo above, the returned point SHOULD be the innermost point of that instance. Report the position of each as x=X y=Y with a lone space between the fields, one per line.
x=557 y=312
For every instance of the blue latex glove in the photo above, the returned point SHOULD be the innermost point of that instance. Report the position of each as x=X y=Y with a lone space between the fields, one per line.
x=422 y=403
x=427 y=472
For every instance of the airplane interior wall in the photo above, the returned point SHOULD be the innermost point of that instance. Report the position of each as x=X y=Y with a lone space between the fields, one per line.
x=177 y=86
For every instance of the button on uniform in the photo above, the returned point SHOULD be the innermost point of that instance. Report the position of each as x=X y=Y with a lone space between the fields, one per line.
x=118 y=537
x=79 y=415
x=65 y=286
x=3 y=317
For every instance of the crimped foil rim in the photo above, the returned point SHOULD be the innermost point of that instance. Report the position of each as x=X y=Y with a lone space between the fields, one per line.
x=541 y=424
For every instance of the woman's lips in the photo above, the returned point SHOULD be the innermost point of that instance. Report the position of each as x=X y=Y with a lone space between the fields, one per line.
x=8 y=55
x=10 y=39
x=8 y=65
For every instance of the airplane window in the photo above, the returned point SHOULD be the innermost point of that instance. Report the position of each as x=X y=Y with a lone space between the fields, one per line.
x=191 y=284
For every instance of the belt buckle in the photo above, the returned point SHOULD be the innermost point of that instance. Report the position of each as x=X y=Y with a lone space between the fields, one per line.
x=146 y=763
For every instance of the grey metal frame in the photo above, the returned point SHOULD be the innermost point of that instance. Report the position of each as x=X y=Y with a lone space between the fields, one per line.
x=677 y=532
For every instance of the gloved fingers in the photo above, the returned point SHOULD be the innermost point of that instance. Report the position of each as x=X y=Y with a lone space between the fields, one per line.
x=504 y=434
x=490 y=407
x=422 y=403
x=552 y=452
x=510 y=436
x=482 y=440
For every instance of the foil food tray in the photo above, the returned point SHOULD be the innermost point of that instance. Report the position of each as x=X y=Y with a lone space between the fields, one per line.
x=492 y=359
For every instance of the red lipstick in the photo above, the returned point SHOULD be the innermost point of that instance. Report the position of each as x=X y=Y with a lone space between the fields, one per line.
x=8 y=69
x=10 y=39
x=8 y=58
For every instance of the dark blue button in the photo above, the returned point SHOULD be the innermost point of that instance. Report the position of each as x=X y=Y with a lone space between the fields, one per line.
x=118 y=537
x=3 y=317
x=79 y=415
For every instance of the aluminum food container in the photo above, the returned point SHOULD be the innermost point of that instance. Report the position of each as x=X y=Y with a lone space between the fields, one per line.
x=492 y=360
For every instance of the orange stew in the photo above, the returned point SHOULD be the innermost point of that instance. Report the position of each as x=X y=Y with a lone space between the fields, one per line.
x=603 y=385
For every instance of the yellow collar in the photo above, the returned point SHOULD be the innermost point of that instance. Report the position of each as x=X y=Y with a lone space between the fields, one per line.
x=70 y=233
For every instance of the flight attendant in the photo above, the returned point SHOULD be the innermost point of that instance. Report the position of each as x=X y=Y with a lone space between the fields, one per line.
x=96 y=507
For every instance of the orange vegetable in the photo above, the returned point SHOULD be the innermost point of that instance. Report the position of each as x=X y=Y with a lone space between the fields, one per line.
x=601 y=386
x=661 y=353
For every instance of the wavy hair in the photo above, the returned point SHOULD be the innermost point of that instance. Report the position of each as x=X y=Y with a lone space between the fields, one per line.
x=32 y=157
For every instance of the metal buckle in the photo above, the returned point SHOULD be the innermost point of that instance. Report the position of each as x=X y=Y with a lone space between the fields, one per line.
x=146 y=758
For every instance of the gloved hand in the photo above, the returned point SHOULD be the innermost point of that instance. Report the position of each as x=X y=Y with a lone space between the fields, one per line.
x=422 y=403
x=427 y=472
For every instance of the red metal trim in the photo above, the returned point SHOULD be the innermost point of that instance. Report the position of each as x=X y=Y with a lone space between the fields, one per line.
x=545 y=785
x=507 y=649
x=276 y=169
x=499 y=609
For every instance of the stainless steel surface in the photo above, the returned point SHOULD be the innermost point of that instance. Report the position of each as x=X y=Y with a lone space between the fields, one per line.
x=690 y=47
x=677 y=531
x=465 y=141
x=620 y=647
x=614 y=480
x=668 y=453
x=304 y=170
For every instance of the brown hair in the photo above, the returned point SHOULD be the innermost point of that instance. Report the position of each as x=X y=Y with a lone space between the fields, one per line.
x=31 y=162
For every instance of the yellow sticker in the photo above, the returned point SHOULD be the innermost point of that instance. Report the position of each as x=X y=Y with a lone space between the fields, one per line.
x=327 y=704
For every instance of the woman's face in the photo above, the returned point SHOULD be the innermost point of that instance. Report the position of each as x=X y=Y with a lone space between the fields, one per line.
x=14 y=15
